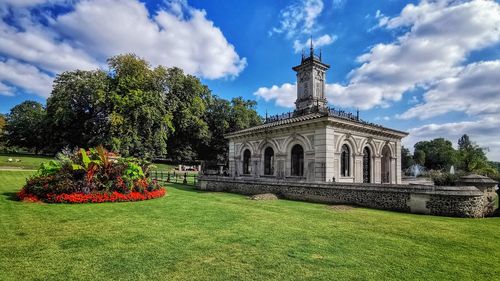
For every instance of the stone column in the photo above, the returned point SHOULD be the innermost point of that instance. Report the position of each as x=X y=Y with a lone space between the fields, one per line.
x=238 y=167
x=329 y=156
x=377 y=169
x=393 y=173
x=309 y=166
x=280 y=166
x=358 y=168
x=398 y=163
x=255 y=166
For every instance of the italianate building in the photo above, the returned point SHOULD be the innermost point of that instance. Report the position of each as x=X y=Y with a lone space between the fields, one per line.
x=315 y=142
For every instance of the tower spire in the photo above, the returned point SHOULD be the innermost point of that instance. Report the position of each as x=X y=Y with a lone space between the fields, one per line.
x=311 y=49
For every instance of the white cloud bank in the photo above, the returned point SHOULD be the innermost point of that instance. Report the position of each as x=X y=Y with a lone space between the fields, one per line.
x=93 y=30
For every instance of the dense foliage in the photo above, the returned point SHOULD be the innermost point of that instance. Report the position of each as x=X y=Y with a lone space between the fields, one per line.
x=24 y=126
x=90 y=176
x=439 y=155
x=133 y=109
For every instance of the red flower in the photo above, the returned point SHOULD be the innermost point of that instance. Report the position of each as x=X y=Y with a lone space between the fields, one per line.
x=95 y=197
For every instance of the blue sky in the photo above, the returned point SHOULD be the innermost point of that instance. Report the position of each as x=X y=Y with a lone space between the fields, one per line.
x=427 y=67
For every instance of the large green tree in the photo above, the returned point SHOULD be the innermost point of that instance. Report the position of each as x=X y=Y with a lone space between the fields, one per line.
x=188 y=99
x=78 y=110
x=472 y=158
x=24 y=126
x=140 y=123
x=439 y=153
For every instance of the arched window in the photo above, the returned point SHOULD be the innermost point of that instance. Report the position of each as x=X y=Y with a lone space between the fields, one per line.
x=246 y=162
x=386 y=165
x=297 y=160
x=269 y=161
x=366 y=165
x=345 y=156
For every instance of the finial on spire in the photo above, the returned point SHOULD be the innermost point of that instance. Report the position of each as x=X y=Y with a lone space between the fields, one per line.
x=311 y=49
x=319 y=54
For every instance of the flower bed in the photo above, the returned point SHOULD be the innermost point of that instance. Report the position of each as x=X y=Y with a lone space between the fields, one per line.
x=94 y=197
x=91 y=177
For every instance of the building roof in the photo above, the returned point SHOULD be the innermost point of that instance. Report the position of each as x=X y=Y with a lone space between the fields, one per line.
x=330 y=114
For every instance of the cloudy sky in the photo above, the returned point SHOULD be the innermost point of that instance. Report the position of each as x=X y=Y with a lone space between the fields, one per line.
x=431 y=68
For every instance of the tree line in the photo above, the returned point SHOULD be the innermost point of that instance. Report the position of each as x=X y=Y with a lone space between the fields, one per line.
x=133 y=109
x=439 y=154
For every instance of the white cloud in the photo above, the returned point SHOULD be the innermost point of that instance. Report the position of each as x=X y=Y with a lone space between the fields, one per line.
x=284 y=95
x=338 y=4
x=475 y=90
x=483 y=131
x=26 y=75
x=440 y=37
x=91 y=31
x=6 y=90
x=299 y=18
x=318 y=42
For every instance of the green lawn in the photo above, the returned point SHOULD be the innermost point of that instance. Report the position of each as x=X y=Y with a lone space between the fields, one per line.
x=26 y=161
x=191 y=235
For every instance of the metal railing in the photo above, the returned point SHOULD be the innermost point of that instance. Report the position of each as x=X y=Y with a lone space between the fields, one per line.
x=327 y=111
x=173 y=177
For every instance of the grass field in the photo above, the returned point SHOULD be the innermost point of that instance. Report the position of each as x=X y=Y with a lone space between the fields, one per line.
x=27 y=161
x=191 y=235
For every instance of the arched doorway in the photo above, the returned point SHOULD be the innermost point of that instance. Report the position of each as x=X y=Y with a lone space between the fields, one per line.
x=269 y=161
x=297 y=161
x=366 y=165
x=246 y=162
x=386 y=165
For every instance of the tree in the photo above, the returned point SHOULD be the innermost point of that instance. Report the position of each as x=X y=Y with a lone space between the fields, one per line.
x=188 y=99
x=419 y=157
x=406 y=158
x=439 y=153
x=472 y=158
x=140 y=123
x=224 y=117
x=24 y=126
x=3 y=122
x=78 y=110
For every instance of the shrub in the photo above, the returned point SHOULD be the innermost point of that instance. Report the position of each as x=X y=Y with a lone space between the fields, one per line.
x=444 y=179
x=90 y=175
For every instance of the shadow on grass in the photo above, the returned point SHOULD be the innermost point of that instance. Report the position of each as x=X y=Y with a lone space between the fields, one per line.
x=12 y=196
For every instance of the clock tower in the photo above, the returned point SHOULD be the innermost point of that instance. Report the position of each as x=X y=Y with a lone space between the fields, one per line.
x=311 y=75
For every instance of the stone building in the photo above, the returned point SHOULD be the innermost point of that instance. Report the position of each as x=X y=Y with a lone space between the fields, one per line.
x=315 y=142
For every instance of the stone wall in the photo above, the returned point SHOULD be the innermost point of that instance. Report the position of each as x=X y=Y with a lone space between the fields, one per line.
x=456 y=201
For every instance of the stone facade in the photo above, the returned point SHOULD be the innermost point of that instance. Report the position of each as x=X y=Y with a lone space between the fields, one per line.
x=316 y=143
x=457 y=201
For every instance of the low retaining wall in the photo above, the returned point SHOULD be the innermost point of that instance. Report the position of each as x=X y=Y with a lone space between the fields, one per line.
x=455 y=201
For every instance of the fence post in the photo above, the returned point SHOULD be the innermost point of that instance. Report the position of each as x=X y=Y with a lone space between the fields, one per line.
x=168 y=176
x=185 y=178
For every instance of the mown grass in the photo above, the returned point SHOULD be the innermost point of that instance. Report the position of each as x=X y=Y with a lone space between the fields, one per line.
x=191 y=235
x=31 y=162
